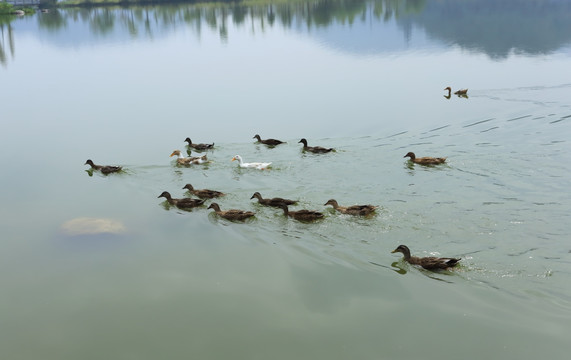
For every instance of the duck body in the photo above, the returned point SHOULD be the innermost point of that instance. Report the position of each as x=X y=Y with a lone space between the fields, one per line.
x=425 y=160
x=254 y=165
x=105 y=169
x=203 y=193
x=199 y=146
x=275 y=202
x=302 y=215
x=184 y=203
x=314 y=149
x=270 y=142
x=232 y=214
x=352 y=210
x=429 y=263
x=461 y=92
x=181 y=160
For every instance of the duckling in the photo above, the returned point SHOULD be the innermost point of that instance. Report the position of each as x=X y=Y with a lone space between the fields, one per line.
x=270 y=142
x=275 y=202
x=181 y=160
x=199 y=146
x=203 y=193
x=429 y=263
x=105 y=169
x=352 y=210
x=425 y=160
x=302 y=215
x=184 y=203
x=314 y=149
x=232 y=214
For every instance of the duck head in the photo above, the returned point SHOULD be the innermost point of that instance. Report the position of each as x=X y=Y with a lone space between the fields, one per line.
x=402 y=249
x=164 y=194
x=331 y=202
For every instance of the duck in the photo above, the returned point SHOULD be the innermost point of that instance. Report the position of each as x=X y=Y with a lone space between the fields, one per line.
x=314 y=149
x=232 y=214
x=429 y=263
x=203 y=193
x=105 y=169
x=270 y=142
x=199 y=146
x=275 y=202
x=302 y=215
x=184 y=203
x=425 y=160
x=188 y=160
x=352 y=210
x=461 y=92
x=254 y=165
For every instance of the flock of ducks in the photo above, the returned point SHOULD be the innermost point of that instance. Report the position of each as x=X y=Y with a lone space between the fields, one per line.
x=187 y=203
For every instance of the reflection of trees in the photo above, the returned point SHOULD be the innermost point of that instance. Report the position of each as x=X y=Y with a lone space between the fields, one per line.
x=6 y=36
x=498 y=27
x=316 y=13
x=495 y=27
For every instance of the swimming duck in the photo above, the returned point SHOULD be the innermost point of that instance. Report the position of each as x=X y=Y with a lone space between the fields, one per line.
x=203 y=193
x=199 y=146
x=254 y=165
x=184 y=203
x=460 y=92
x=188 y=160
x=302 y=215
x=105 y=169
x=352 y=210
x=429 y=263
x=314 y=149
x=232 y=214
x=275 y=202
x=425 y=160
x=271 y=142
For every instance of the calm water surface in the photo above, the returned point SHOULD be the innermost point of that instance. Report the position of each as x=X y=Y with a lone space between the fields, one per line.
x=126 y=86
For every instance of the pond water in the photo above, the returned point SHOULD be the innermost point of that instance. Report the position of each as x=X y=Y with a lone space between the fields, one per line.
x=96 y=266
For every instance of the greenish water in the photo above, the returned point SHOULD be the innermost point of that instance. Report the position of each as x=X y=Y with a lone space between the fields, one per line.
x=127 y=86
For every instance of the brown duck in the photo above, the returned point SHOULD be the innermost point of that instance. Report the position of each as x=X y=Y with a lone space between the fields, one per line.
x=275 y=202
x=105 y=169
x=184 y=203
x=352 y=210
x=429 y=263
x=314 y=149
x=425 y=160
x=461 y=92
x=181 y=160
x=270 y=142
x=199 y=146
x=203 y=193
x=302 y=215
x=232 y=214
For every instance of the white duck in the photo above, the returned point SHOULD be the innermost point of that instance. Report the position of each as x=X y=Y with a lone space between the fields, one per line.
x=255 y=165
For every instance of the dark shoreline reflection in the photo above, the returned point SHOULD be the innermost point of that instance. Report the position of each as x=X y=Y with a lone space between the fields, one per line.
x=497 y=28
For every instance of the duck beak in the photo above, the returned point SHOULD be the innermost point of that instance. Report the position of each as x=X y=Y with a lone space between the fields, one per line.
x=394 y=251
x=172 y=154
x=233 y=158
